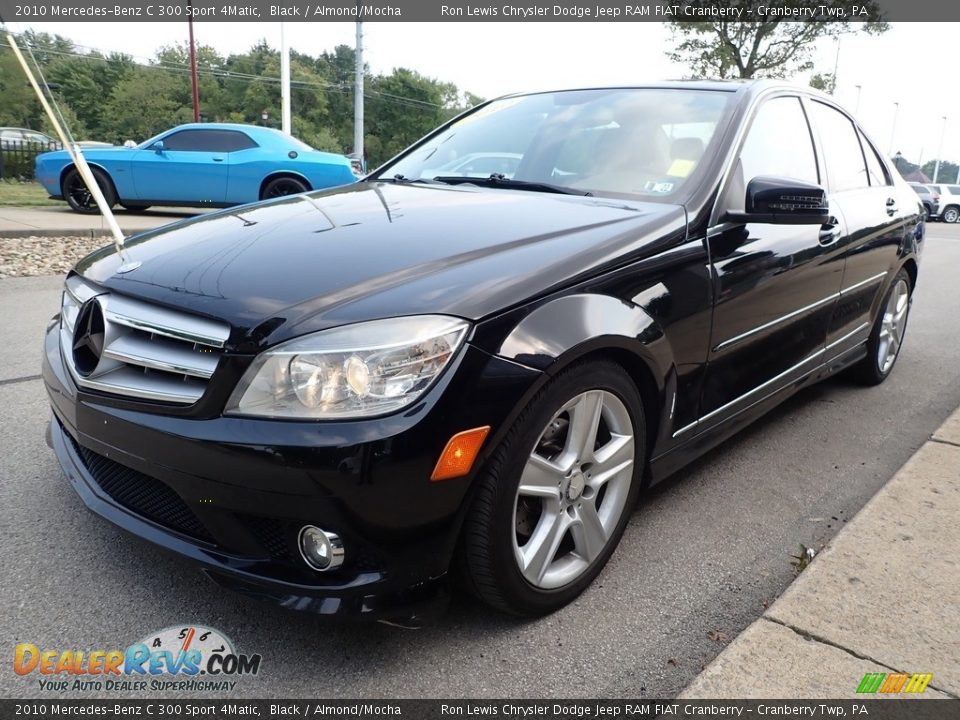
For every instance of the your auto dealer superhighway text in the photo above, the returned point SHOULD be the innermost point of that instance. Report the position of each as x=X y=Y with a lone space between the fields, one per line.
x=649 y=10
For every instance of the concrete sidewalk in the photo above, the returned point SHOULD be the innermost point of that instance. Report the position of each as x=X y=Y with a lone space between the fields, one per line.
x=882 y=597
x=59 y=221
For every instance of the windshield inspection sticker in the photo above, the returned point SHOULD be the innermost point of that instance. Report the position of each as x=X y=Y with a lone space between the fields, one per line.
x=681 y=168
x=658 y=187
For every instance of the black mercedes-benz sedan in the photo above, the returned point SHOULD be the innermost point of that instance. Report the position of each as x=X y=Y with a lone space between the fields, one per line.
x=469 y=364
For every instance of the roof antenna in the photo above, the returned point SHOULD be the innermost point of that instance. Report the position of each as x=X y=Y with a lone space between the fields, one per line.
x=76 y=154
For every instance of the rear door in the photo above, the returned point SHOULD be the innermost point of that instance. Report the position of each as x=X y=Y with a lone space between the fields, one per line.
x=874 y=209
x=775 y=284
x=192 y=167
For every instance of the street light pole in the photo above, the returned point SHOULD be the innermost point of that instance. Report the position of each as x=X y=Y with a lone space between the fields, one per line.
x=856 y=108
x=936 y=167
x=893 y=130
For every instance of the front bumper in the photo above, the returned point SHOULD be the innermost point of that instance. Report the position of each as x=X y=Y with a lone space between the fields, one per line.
x=230 y=494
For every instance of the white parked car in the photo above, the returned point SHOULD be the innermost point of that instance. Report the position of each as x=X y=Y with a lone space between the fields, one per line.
x=949 y=202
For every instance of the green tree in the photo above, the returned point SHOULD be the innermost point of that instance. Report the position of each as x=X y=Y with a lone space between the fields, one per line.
x=19 y=106
x=773 y=47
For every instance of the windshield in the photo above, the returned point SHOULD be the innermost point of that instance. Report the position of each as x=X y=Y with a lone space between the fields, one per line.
x=628 y=142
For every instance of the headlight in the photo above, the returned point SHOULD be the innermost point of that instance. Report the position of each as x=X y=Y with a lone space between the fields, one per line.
x=352 y=371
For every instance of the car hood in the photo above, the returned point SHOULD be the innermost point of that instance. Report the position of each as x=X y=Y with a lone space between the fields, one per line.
x=371 y=250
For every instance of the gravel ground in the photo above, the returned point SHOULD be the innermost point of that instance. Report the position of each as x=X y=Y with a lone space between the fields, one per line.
x=28 y=256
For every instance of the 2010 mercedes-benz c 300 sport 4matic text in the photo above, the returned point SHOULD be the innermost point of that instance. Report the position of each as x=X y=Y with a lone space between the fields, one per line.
x=343 y=400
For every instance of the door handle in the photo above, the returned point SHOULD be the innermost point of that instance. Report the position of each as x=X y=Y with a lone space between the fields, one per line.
x=829 y=232
x=216 y=159
x=891 y=206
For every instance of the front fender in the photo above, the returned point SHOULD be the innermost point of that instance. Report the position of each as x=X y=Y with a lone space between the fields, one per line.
x=566 y=329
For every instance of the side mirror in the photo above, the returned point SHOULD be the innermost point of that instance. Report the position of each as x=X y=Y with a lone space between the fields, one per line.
x=158 y=147
x=783 y=201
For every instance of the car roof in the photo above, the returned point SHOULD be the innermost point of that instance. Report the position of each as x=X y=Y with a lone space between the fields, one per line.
x=746 y=87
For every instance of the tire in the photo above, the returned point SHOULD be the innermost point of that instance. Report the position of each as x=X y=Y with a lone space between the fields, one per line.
x=134 y=207
x=889 y=329
x=283 y=186
x=503 y=520
x=950 y=214
x=80 y=199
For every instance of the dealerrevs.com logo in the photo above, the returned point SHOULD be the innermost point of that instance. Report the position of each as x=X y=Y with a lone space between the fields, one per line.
x=187 y=658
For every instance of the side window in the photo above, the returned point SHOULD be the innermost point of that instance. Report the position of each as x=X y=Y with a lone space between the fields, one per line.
x=779 y=143
x=878 y=175
x=231 y=141
x=843 y=155
x=189 y=140
x=954 y=189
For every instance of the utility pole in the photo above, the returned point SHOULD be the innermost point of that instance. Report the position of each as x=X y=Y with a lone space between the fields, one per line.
x=284 y=81
x=193 y=64
x=836 y=67
x=936 y=167
x=358 y=95
x=893 y=130
x=856 y=108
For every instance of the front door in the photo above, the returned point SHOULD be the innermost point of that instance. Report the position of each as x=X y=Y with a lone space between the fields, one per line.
x=775 y=285
x=191 y=168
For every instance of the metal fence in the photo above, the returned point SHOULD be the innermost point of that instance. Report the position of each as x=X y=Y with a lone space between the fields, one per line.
x=17 y=158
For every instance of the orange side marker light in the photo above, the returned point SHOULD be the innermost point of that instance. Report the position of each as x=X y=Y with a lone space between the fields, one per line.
x=458 y=456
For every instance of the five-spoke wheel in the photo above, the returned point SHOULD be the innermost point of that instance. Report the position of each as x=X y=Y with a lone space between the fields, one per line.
x=556 y=496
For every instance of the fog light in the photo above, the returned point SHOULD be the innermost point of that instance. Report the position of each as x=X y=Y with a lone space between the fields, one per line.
x=320 y=549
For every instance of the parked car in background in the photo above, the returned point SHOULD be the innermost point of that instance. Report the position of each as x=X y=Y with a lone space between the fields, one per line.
x=929 y=197
x=341 y=400
x=196 y=165
x=949 y=202
x=11 y=137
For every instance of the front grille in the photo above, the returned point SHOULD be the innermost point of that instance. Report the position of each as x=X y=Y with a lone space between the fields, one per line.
x=144 y=495
x=145 y=351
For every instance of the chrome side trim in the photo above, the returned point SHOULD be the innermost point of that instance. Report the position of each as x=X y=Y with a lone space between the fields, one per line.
x=684 y=429
x=777 y=321
x=860 y=284
x=747 y=394
x=849 y=335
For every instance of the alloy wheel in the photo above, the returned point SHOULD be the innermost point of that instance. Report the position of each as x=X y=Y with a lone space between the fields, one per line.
x=79 y=194
x=573 y=489
x=892 y=326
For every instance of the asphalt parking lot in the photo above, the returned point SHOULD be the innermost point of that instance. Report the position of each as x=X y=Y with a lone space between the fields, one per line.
x=702 y=555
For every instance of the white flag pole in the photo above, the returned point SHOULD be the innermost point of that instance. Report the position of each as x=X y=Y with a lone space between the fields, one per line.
x=75 y=153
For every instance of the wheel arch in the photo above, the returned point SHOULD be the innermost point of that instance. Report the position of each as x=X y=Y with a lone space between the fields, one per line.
x=281 y=174
x=581 y=327
x=910 y=265
x=93 y=166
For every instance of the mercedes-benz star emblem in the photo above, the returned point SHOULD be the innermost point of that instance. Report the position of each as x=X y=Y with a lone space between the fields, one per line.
x=88 y=337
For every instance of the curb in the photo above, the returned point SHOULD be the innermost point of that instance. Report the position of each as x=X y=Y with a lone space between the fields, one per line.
x=879 y=598
x=84 y=232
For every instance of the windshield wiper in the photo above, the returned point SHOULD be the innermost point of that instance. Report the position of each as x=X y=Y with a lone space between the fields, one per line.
x=404 y=180
x=502 y=181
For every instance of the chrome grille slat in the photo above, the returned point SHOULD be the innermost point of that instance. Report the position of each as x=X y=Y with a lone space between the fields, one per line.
x=131 y=382
x=161 y=354
x=148 y=352
x=176 y=325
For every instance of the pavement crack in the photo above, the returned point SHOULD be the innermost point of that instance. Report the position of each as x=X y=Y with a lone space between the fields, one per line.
x=806 y=635
x=25 y=378
x=945 y=442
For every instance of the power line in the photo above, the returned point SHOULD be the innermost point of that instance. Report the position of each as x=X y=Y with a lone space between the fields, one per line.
x=227 y=74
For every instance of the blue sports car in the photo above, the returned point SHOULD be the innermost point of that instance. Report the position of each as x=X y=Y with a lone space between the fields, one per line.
x=196 y=165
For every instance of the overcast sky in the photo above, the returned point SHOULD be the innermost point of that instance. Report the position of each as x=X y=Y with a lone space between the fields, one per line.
x=907 y=65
